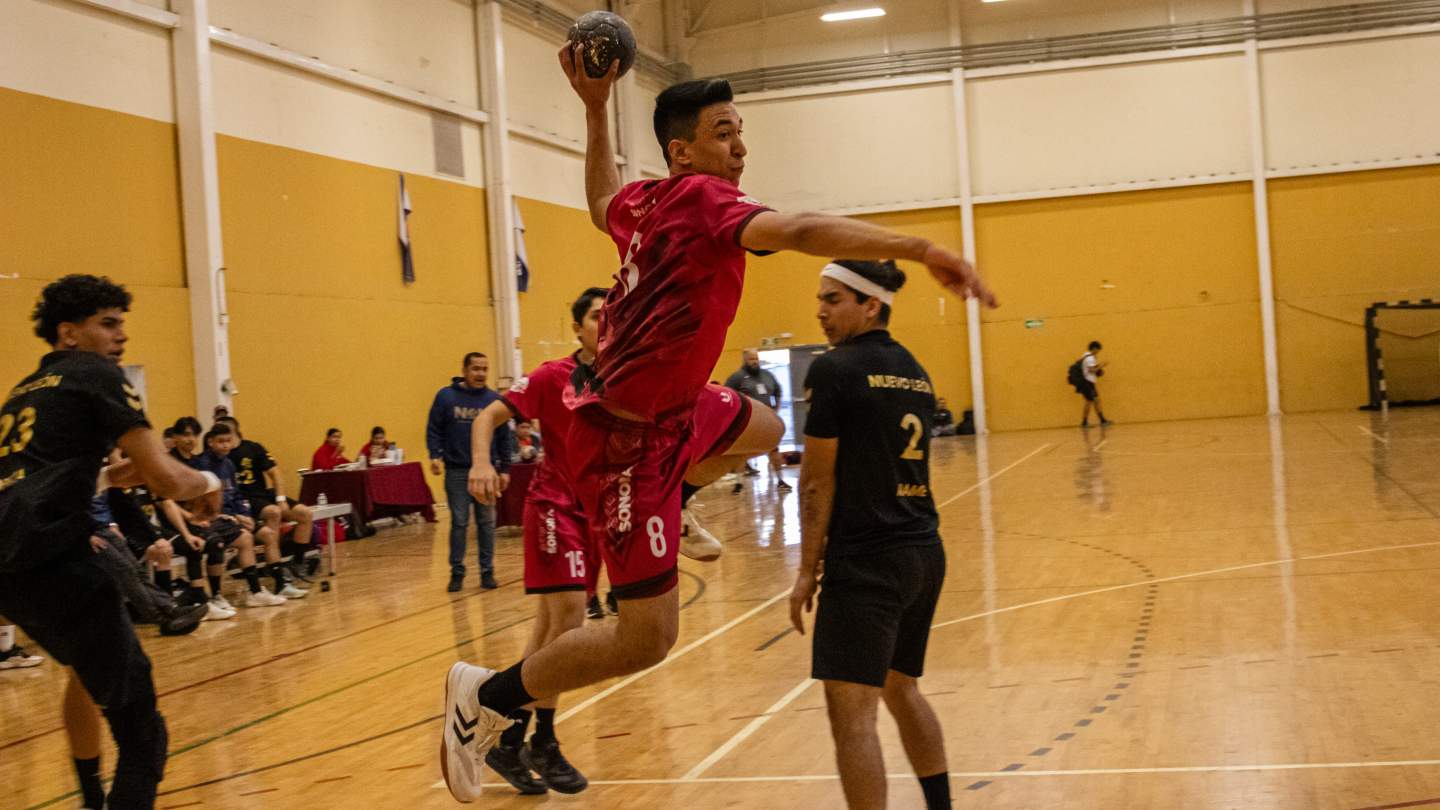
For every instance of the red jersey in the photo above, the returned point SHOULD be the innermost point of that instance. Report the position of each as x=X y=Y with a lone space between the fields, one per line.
x=548 y=394
x=664 y=322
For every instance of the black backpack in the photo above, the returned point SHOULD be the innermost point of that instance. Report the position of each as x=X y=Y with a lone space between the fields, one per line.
x=1076 y=375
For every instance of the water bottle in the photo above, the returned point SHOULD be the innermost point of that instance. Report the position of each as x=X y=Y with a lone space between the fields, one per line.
x=322 y=500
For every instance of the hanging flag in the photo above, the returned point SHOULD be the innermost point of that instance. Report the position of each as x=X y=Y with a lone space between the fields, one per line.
x=407 y=262
x=522 y=260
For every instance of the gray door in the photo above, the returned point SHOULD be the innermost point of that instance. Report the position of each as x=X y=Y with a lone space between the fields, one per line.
x=800 y=359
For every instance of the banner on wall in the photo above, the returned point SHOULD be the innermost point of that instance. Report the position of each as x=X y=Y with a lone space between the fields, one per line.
x=522 y=259
x=407 y=262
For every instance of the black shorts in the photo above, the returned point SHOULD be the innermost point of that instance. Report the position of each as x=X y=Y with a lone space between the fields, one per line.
x=74 y=610
x=221 y=530
x=1087 y=390
x=874 y=614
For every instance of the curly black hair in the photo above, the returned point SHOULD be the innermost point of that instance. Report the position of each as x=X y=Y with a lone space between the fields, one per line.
x=72 y=299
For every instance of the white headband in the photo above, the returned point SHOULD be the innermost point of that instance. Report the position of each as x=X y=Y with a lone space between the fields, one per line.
x=858 y=283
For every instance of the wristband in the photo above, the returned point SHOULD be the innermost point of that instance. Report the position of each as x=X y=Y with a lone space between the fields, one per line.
x=279 y=498
x=212 y=482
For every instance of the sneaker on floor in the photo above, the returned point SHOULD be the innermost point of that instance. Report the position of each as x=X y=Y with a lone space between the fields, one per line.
x=292 y=592
x=215 y=613
x=470 y=731
x=783 y=487
x=1106 y=423
x=612 y=604
x=555 y=771
x=695 y=542
x=593 y=609
x=180 y=620
x=297 y=570
x=487 y=581
x=506 y=762
x=16 y=658
x=264 y=598
x=456 y=580
x=220 y=600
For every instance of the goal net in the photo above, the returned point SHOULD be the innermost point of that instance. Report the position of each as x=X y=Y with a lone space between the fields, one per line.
x=1403 y=353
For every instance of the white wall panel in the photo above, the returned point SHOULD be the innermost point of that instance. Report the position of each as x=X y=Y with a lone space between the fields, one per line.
x=425 y=45
x=265 y=102
x=854 y=149
x=1101 y=126
x=542 y=172
x=1352 y=102
x=539 y=93
x=57 y=49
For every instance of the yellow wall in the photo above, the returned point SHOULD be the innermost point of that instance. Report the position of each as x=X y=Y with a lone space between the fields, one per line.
x=1180 y=324
x=780 y=297
x=1343 y=242
x=567 y=254
x=323 y=332
x=88 y=190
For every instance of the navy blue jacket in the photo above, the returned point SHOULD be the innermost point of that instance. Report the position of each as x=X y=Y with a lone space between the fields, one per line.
x=447 y=434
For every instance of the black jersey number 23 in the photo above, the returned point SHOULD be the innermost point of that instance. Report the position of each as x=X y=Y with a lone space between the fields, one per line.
x=22 y=425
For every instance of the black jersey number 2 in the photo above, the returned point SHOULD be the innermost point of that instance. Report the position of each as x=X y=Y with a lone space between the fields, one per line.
x=22 y=425
x=912 y=451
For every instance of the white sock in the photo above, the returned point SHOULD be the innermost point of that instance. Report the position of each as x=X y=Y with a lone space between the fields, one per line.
x=7 y=637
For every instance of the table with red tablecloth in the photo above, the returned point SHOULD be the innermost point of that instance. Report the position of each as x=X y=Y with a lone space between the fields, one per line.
x=389 y=490
x=511 y=511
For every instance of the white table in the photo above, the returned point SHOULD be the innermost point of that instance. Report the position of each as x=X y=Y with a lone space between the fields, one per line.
x=328 y=512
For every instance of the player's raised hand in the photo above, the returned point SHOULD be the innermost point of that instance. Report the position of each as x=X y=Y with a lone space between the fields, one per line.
x=484 y=483
x=958 y=276
x=593 y=92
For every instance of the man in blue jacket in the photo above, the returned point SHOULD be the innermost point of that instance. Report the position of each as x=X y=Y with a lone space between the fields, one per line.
x=448 y=436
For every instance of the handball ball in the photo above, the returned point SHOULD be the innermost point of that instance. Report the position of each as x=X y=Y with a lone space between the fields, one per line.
x=605 y=37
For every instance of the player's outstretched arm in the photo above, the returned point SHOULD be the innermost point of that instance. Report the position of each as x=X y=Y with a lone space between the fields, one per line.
x=166 y=477
x=839 y=237
x=484 y=482
x=602 y=178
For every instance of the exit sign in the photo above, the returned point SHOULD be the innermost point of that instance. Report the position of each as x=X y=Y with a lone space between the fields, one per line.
x=1034 y=323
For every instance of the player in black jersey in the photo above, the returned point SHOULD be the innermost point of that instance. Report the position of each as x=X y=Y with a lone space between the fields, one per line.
x=866 y=511
x=56 y=428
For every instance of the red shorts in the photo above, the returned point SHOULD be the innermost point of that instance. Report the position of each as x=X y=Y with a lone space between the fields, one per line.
x=556 y=549
x=628 y=476
x=720 y=416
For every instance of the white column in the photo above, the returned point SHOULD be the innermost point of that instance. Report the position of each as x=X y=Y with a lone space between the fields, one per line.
x=200 y=206
x=498 y=199
x=1262 y=220
x=967 y=227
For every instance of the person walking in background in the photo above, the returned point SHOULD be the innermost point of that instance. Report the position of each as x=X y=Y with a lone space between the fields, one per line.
x=758 y=384
x=1084 y=374
x=447 y=435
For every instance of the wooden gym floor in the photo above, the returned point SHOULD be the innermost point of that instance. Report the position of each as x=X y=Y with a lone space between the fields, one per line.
x=1229 y=613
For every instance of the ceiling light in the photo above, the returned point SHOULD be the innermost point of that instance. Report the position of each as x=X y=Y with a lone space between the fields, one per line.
x=858 y=14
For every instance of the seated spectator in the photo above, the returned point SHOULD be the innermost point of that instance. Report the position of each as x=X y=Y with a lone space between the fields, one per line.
x=378 y=450
x=205 y=530
x=221 y=439
x=263 y=488
x=186 y=432
x=219 y=413
x=527 y=442
x=331 y=454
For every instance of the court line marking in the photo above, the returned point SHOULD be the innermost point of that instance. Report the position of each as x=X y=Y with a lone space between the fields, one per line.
x=962 y=493
x=779 y=705
x=1289 y=766
x=1372 y=434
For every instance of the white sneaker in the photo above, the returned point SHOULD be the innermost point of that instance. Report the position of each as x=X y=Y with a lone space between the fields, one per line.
x=263 y=598
x=222 y=603
x=470 y=731
x=695 y=542
x=292 y=592
x=16 y=658
x=215 y=613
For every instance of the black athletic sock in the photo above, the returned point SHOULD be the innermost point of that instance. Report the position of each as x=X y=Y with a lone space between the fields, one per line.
x=544 y=726
x=251 y=578
x=505 y=691
x=513 y=736
x=162 y=580
x=91 y=791
x=687 y=491
x=273 y=569
x=214 y=585
x=937 y=791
